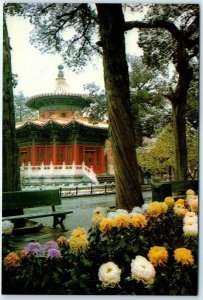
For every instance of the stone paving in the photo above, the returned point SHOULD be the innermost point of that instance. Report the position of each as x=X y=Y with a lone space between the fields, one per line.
x=82 y=213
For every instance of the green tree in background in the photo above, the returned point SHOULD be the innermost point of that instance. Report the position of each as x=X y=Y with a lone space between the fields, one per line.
x=98 y=107
x=170 y=37
x=158 y=154
x=150 y=109
x=22 y=112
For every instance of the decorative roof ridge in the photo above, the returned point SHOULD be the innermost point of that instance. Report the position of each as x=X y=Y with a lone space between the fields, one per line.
x=65 y=123
x=91 y=125
x=58 y=94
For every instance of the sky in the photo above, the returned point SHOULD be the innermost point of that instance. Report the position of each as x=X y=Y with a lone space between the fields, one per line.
x=37 y=72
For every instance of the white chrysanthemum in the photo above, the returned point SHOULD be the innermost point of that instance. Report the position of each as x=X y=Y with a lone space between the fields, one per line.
x=132 y=214
x=109 y=274
x=193 y=203
x=145 y=207
x=190 y=229
x=136 y=210
x=121 y=211
x=7 y=227
x=99 y=210
x=142 y=270
x=190 y=220
x=112 y=215
x=190 y=214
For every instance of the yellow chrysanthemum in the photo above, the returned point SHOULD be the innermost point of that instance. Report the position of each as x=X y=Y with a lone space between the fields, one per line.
x=62 y=241
x=190 y=192
x=77 y=232
x=180 y=202
x=139 y=221
x=180 y=211
x=11 y=260
x=169 y=201
x=96 y=218
x=157 y=208
x=158 y=255
x=78 y=244
x=106 y=224
x=122 y=221
x=184 y=256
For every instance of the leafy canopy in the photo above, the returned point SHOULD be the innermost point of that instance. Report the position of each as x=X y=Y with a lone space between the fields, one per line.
x=68 y=29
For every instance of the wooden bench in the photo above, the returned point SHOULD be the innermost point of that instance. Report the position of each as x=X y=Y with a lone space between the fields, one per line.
x=160 y=190
x=13 y=204
x=180 y=187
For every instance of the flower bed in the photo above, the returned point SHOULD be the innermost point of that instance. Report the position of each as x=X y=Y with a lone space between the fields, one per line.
x=152 y=250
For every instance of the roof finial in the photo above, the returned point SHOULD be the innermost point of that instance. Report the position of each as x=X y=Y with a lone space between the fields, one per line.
x=61 y=85
x=60 y=73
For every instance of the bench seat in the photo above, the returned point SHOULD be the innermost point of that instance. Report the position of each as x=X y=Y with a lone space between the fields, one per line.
x=39 y=215
x=15 y=202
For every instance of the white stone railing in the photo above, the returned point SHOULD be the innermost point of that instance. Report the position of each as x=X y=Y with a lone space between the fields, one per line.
x=57 y=170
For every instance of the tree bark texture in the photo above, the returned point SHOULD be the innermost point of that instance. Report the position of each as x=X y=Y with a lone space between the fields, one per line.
x=179 y=126
x=11 y=171
x=178 y=100
x=116 y=77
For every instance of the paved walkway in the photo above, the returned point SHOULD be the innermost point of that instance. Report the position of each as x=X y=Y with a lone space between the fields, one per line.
x=82 y=214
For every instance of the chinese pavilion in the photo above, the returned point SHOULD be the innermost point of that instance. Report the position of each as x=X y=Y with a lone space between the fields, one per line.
x=60 y=145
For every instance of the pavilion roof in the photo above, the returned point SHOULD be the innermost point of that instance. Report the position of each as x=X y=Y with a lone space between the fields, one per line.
x=61 y=98
x=63 y=123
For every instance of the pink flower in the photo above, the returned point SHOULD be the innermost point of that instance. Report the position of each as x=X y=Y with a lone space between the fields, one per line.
x=54 y=253
x=34 y=249
x=50 y=245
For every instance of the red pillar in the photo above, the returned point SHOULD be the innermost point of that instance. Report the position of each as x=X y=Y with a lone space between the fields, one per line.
x=102 y=159
x=54 y=155
x=76 y=154
x=33 y=155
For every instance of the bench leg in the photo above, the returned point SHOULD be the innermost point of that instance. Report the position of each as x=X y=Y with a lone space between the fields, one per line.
x=59 y=220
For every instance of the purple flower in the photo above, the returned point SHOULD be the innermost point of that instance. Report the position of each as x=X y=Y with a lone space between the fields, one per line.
x=50 y=245
x=34 y=249
x=54 y=253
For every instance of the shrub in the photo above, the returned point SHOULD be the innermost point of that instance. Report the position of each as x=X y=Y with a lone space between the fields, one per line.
x=152 y=250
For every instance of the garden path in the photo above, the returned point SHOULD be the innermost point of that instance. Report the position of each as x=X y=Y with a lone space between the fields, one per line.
x=82 y=214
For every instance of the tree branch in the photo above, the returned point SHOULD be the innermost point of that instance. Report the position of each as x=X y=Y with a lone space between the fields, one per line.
x=175 y=32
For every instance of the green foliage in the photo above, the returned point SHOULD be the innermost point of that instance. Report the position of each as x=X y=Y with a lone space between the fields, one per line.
x=161 y=46
x=150 y=109
x=22 y=112
x=98 y=107
x=158 y=154
x=158 y=43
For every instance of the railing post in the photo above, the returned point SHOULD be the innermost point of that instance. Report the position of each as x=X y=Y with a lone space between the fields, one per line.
x=63 y=168
x=76 y=190
x=73 y=168
x=42 y=169
x=105 y=188
x=51 y=168
x=29 y=168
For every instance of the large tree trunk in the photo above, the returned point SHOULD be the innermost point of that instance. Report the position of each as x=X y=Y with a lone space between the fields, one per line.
x=128 y=188
x=179 y=125
x=11 y=171
x=178 y=100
